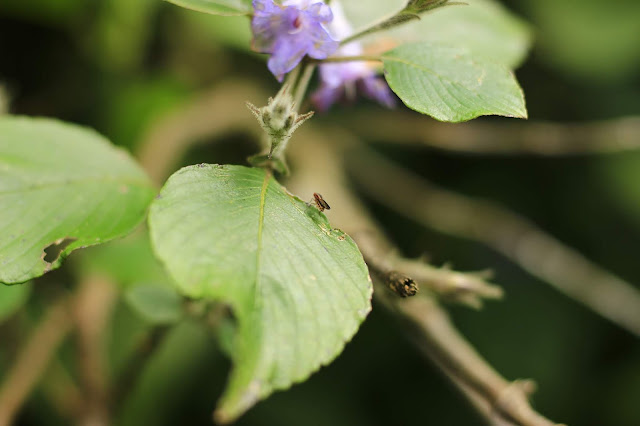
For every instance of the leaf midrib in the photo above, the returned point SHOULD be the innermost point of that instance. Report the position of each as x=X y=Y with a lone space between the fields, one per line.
x=263 y=197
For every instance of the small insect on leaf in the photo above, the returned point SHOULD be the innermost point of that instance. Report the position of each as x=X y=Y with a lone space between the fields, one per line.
x=321 y=204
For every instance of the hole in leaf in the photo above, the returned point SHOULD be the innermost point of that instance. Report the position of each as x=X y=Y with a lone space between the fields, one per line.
x=52 y=251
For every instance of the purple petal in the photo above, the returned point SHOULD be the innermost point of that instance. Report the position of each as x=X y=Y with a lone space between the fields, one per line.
x=376 y=88
x=322 y=11
x=264 y=7
x=265 y=25
x=291 y=31
x=287 y=53
x=322 y=45
x=323 y=98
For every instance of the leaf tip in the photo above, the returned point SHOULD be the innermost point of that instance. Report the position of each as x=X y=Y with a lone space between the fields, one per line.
x=230 y=409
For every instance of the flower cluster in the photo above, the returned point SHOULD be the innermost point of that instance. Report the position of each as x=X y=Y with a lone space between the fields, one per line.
x=341 y=81
x=290 y=31
x=297 y=28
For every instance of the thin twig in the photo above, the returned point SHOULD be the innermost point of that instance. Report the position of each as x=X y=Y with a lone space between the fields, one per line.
x=499 y=138
x=94 y=303
x=33 y=358
x=508 y=233
x=430 y=328
x=357 y=58
x=5 y=100
x=135 y=366
x=403 y=16
x=319 y=168
x=303 y=84
x=62 y=391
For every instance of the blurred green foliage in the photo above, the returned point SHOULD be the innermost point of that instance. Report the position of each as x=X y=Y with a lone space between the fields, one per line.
x=120 y=65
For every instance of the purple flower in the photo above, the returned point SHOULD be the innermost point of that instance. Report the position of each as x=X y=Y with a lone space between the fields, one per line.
x=341 y=81
x=291 y=31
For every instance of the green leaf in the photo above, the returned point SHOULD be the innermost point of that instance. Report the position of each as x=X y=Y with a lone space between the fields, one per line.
x=299 y=288
x=157 y=304
x=450 y=84
x=62 y=187
x=217 y=7
x=12 y=298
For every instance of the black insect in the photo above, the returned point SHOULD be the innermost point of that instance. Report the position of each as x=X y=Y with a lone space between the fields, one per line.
x=321 y=204
x=401 y=284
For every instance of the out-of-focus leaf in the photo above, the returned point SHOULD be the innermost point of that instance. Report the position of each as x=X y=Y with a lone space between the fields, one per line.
x=233 y=31
x=12 y=298
x=51 y=12
x=484 y=27
x=122 y=33
x=591 y=39
x=622 y=173
x=133 y=108
x=62 y=187
x=128 y=261
x=165 y=383
x=216 y=7
x=299 y=288
x=450 y=84
x=362 y=13
x=157 y=304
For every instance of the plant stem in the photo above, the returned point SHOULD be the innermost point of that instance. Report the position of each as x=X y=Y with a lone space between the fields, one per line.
x=405 y=15
x=372 y=58
x=290 y=82
x=33 y=358
x=92 y=311
x=517 y=238
x=499 y=401
x=303 y=84
x=512 y=138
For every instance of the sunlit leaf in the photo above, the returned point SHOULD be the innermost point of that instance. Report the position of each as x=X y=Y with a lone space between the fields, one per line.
x=62 y=187
x=450 y=84
x=298 y=288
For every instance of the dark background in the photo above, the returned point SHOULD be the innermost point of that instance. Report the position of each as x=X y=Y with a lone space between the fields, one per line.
x=118 y=65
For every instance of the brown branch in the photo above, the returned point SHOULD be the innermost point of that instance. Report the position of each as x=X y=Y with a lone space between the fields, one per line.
x=503 y=138
x=62 y=391
x=319 y=168
x=94 y=303
x=514 y=236
x=135 y=367
x=461 y=287
x=430 y=328
x=32 y=360
x=5 y=100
